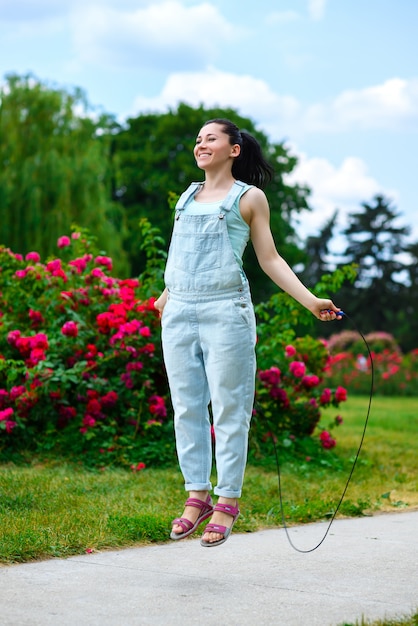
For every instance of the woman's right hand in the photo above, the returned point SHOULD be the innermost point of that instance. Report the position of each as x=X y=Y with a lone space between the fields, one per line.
x=160 y=303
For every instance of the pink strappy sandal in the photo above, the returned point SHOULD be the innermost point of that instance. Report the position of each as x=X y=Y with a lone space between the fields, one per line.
x=217 y=528
x=206 y=510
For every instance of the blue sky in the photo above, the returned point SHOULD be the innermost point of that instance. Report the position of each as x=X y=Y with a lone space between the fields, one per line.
x=338 y=81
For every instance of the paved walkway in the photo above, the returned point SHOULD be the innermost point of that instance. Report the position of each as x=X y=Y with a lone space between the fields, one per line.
x=366 y=567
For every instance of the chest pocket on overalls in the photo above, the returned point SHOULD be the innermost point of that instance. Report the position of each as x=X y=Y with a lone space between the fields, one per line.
x=194 y=251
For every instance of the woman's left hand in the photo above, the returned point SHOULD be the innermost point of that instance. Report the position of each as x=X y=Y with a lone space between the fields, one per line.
x=326 y=311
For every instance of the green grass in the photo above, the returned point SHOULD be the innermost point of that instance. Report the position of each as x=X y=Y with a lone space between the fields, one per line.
x=405 y=621
x=56 y=509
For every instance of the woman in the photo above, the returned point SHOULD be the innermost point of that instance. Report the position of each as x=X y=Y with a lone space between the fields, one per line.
x=208 y=323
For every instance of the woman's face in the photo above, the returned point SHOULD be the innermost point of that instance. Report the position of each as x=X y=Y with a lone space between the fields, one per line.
x=213 y=148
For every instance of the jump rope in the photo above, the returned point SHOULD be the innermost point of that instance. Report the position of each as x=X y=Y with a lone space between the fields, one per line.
x=276 y=454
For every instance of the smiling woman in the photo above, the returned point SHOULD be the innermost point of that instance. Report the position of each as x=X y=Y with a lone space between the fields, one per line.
x=210 y=359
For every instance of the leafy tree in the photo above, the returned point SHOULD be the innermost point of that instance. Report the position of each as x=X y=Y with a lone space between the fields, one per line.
x=153 y=158
x=54 y=172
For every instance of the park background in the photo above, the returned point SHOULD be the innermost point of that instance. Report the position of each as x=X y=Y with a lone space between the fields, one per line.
x=98 y=115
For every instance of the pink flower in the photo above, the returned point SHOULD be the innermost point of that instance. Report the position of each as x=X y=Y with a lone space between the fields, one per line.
x=97 y=272
x=94 y=407
x=33 y=256
x=127 y=380
x=297 y=368
x=280 y=395
x=105 y=261
x=325 y=396
x=290 y=351
x=54 y=265
x=145 y=332
x=271 y=376
x=63 y=242
x=40 y=340
x=70 y=329
x=138 y=467
x=109 y=399
x=134 y=366
x=20 y=273
x=326 y=440
x=13 y=336
x=157 y=406
x=5 y=414
x=36 y=355
x=88 y=421
x=310 y=381
x=67 y=412
x=341 y=394
x=36 y=317
x=75 y=235
x=17 y=391
x=10 y=424
x=80 y=264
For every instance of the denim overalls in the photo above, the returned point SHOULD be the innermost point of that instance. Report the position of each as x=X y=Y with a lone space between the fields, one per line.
x=208 y=336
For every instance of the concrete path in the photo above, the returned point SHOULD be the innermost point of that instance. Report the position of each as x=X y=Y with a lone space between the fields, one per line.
x=366 y=567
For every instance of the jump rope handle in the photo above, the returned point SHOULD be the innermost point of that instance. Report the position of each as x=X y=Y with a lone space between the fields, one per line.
x=336 y=313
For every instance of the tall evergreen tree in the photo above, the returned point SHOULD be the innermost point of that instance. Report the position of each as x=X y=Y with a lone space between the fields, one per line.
x=376 y=243
x=408 y=305
x=317 y=249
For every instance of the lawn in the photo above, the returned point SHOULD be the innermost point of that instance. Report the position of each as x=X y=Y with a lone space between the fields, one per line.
x=56 y=508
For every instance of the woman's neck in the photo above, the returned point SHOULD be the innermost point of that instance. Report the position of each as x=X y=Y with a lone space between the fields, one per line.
x=220 y=181
x=215 y=188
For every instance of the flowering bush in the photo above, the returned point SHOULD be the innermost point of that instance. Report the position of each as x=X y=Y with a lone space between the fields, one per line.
x=394 y=373
x=291 y=394
x=81 y=368
x=80 y=359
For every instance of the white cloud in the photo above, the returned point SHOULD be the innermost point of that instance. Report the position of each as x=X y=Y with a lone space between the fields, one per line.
x=251 y=96
x=392 y=105
x=342 y=187
x=161 y=35
x=316 y=9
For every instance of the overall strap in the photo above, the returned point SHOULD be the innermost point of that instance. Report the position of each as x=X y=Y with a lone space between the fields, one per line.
x=187 y=195
x=233 y=194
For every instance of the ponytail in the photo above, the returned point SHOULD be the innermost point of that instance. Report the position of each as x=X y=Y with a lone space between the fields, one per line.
x=250 y=166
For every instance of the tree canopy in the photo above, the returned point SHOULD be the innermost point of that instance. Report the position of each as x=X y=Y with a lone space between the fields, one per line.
x=54 y=171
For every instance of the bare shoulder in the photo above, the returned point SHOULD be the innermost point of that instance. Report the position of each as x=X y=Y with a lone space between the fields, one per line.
x=252 y=203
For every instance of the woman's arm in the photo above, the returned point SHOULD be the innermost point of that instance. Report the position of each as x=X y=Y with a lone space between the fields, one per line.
x=255 y=210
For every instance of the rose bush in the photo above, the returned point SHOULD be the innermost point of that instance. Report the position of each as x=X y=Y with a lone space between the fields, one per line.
x=291 y=394
x=80 y=359
x=81 y=370
x=394 y=373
